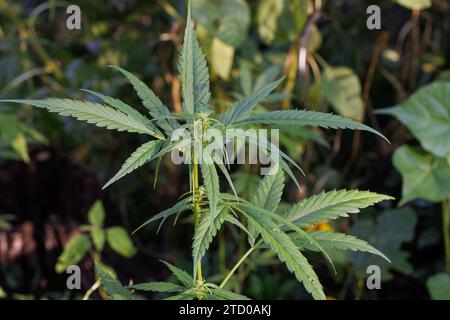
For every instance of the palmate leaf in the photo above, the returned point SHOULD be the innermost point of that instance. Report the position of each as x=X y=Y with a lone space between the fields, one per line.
x=141 y=156
x=223 y=294
x=125 y=108
x=211 y=181
x=286 y=224
x=272 y=151
x=332 y=205
x=181 y=275
x=194 y=71
x=267 y=196
x=241 y=109
x=98 y=114
x=205 y=233
x=287 y=252
x=336 y=241
x=158 y=287
x=149 y=99
x=179 y=207
x=307 y=118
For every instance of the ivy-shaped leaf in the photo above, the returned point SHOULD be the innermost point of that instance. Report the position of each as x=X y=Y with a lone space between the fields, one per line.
x=424 y=176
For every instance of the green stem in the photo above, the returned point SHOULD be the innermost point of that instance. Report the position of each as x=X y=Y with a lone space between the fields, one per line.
x=237 y=265
x=196 y=209
x=446 y=232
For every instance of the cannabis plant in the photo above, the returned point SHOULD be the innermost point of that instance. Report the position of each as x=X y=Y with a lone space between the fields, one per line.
x=284 y=233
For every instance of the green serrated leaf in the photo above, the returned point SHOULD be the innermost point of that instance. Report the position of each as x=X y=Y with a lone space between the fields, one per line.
x=287 y=252
x=181 y=206
x=337 y=241
x=223 y=294
x=181 y=275
x=332 y=205
x=307 y=118
x=245 y=106
x=144 y=154
x=125 y=108
x=100 y=115
x=205 y=232
x=158 y=287
x=194 y=71
x=267 y=196
x=211 y=182
x=149 y=99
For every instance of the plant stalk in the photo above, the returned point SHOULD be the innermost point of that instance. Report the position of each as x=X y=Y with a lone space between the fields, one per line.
x=446 y=232
x=196 y=209
x=237 y=265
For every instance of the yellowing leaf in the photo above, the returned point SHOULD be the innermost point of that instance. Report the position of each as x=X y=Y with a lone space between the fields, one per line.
x=342 y=89
x=222 y=56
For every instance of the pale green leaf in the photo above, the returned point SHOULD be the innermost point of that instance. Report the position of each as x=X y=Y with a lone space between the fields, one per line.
x=307 y=118
x=211 y=183
x=149 y=99
x=415 y=4
x=336 y=241
x=287 y=252
x=205 y=232
x=125 y=108
x=194 y=71
x=222 y=57
x=241 y=109
x=74 y=251
x=96 y=214
x=267 y=196
x=144 y=154
x=332 y=205
x=119 y=240
x=98 y=238
x=98 y=114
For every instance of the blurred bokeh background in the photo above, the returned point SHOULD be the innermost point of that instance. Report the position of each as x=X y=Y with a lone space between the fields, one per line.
x=52 y=168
